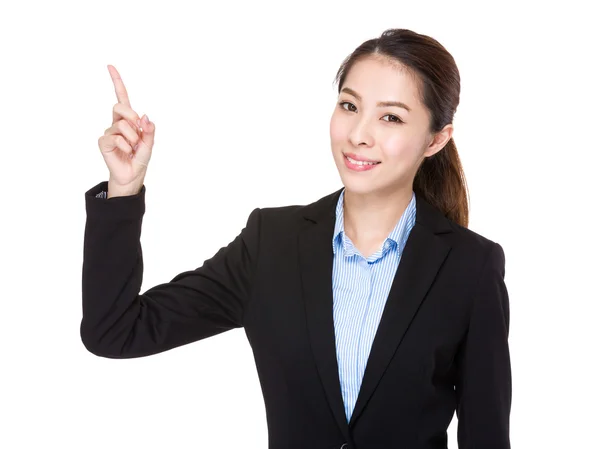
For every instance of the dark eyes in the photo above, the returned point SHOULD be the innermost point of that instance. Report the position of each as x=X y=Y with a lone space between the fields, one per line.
x=395 y=118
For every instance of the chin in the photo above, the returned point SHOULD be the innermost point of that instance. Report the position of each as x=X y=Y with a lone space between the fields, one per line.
x=358 y=186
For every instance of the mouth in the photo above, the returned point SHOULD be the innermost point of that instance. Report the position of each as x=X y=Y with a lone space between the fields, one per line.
x=357 y=163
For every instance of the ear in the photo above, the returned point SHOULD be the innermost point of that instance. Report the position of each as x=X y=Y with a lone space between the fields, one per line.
x=439 y=141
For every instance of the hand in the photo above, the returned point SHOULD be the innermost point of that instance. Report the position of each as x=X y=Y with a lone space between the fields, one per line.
x=127 y=145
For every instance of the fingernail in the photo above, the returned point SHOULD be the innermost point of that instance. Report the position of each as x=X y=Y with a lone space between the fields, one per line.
x=146 y=118
x=139 y=123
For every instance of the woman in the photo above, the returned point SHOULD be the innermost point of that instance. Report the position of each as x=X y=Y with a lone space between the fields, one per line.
x=373 y=313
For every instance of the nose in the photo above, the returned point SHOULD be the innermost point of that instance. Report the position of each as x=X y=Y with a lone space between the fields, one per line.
x=361 y=134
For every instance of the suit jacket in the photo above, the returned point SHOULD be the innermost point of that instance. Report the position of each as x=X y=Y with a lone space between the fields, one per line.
x=441 y=345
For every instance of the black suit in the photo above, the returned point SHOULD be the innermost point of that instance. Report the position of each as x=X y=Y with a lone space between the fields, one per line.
x=441 y=345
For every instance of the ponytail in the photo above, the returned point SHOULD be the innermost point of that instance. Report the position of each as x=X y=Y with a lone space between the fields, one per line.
x=440 y=180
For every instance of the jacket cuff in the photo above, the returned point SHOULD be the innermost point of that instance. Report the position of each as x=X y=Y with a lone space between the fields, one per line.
x=119 y=207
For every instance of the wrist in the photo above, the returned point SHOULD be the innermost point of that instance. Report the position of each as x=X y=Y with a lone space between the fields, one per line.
x=115 y=190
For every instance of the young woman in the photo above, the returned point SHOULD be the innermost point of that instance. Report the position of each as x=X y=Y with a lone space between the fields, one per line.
x=373 y=313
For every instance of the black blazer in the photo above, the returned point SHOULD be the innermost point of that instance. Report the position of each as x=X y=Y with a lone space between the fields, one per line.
x=441 y=345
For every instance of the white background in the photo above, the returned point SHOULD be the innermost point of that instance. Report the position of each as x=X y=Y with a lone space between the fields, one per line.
x=241 y=94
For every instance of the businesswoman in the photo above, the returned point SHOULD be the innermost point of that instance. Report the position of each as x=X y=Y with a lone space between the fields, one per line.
x=373 y=313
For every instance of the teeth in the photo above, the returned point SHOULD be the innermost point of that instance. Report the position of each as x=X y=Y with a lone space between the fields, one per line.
x=360 y=162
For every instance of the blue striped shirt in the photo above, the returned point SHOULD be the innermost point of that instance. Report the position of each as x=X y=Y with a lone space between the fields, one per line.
x=360 y=290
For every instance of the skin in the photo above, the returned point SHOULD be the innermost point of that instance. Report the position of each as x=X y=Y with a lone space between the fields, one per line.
x=126 y=145
x=375 y=200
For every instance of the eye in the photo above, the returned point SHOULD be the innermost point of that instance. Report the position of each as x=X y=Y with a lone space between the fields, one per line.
x=394 y=120
x=342 y=103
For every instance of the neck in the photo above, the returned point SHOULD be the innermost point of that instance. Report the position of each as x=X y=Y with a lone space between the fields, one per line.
x=369 y=217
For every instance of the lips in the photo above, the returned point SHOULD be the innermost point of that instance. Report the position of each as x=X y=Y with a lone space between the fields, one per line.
x=360 y=166
x=356 y=157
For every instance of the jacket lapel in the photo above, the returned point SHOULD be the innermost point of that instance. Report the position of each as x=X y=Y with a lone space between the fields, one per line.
x=316 y=265
x=422 y=257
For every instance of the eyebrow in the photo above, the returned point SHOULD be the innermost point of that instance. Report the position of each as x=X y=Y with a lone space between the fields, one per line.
x=398 y=104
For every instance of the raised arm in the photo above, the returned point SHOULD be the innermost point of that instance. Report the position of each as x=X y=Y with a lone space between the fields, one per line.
x=119 y=322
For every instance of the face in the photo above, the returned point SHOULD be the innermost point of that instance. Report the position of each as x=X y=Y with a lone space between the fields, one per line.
x=379 y=117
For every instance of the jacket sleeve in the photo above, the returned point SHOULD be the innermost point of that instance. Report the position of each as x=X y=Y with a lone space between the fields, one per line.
x=119 y=321
x=484 y=385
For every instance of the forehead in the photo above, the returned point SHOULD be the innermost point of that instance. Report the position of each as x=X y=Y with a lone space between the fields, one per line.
x=377 y=78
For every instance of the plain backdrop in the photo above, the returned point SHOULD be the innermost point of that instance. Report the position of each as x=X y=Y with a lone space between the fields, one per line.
x=241 y=94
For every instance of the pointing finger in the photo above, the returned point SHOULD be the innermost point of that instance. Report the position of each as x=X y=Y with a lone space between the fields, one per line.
x=120 y=90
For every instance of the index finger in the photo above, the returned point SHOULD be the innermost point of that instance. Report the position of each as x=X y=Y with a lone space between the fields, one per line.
x=120 y=90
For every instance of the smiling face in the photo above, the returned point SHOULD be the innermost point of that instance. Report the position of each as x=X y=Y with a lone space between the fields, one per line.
x=379 y=117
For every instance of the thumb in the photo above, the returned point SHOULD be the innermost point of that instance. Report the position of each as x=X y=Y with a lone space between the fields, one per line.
x=143 y=149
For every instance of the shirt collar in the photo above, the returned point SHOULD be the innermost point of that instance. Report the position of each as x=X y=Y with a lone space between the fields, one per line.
x=397 y=237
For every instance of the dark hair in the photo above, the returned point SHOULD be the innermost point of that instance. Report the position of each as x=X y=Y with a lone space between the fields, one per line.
x=440 y=178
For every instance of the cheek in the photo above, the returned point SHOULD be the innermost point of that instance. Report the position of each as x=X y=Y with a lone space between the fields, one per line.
x=337 y=129
x=399 y=146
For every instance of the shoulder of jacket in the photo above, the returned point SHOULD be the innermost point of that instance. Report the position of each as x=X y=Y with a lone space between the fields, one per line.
x=281 y=214
x=470 y=238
